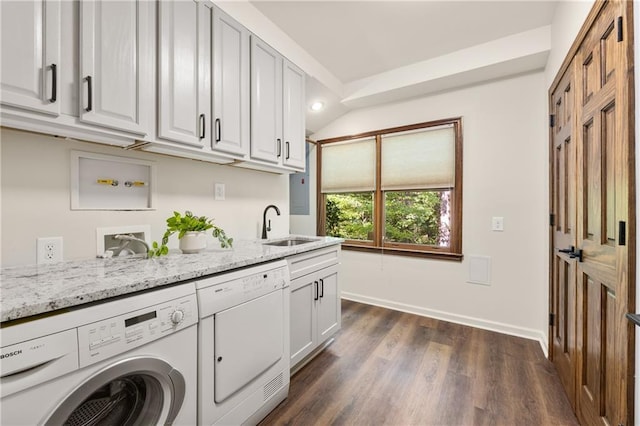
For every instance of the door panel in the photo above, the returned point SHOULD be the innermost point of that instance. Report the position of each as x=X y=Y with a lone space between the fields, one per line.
x=30 y=55
x=603 y=202
x=303 y=319
x=230 y=84
x=179 y=71
x=563 y=185
x=248 y=340
x=266 y=102
x=293 y=115
x=327 y=304
x=592 y=342
x=112 y=44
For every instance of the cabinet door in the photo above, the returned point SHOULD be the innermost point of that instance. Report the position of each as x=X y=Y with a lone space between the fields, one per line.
x=30 y=55
x=180 y=73
x=328 y=304
x=303 y=327
x=230 y=85
x=114 y=64
x=266 y=102
x=293 y=116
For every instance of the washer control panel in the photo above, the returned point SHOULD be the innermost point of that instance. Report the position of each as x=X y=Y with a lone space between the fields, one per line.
x=109 y=337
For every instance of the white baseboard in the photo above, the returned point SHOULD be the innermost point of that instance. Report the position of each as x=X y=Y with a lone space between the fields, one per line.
x=499 y=327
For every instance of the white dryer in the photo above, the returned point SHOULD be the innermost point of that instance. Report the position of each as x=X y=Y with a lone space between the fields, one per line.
x=130 y=361
x=243 y=362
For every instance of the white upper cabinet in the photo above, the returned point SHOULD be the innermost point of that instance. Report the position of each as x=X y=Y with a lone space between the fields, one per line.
x=293 y=116
x=230 y=85
x=115 y=69
x=184 y=73
x=30 y=55
x=277 y=108
x=179 y=77
x=266 y=102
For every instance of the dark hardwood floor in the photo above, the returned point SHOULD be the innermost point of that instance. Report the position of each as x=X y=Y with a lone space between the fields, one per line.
x=393 y=368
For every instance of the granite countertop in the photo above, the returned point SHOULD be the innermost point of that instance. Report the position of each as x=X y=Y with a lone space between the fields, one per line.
x=36 y=289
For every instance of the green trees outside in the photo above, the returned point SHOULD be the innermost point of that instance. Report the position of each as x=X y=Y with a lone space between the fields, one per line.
x=350 y=216
x=414 y=217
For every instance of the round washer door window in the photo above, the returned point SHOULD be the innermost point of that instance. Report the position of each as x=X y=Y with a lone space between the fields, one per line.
x=135 y=391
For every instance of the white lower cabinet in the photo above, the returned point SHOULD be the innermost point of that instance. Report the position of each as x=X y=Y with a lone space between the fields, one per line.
x=315 y=302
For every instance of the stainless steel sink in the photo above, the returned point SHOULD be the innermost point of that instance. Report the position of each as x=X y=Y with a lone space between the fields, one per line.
x=290 y=242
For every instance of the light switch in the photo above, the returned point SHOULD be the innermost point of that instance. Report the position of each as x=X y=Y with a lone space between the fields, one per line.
x=497 y=223
x=219 y=194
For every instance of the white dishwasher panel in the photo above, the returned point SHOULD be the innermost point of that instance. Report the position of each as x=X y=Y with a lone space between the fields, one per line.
x=248 y=339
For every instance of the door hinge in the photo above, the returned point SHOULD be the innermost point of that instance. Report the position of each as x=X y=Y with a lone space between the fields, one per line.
x=552 y=319
x=619 y=28
x=622 y=233
x=552 y=219
x=552 y=120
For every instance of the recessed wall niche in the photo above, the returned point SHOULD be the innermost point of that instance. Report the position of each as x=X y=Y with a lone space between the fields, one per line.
x=108 y=182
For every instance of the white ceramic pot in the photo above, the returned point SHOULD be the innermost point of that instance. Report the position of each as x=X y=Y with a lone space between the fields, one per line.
x=193 y=242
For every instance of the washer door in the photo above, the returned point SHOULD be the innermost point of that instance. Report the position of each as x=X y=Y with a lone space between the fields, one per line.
x=134 y=391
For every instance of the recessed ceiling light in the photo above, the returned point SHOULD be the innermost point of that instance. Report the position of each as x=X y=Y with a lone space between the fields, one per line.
x=317 y=106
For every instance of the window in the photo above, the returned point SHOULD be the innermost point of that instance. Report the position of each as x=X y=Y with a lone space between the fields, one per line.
x=397 y=190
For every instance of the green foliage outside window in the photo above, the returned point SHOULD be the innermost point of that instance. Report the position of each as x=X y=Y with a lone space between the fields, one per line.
x=350 y=216
x=417 y=217
x=414 y=217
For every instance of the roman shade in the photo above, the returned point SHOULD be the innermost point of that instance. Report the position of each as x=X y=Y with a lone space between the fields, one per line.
x=418 y=159
x=349 y=166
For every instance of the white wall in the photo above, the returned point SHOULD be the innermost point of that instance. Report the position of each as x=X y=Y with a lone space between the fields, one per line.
x=35 y=198
x=567 y=20
x=439 y=287
x=504 y=174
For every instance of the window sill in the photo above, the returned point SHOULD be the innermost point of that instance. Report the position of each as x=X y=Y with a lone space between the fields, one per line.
x=456 y=257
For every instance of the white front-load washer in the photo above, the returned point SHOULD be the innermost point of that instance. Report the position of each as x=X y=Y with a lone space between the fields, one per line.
x=128 y=361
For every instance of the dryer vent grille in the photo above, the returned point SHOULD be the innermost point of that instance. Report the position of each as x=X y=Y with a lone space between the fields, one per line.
x=273 y=386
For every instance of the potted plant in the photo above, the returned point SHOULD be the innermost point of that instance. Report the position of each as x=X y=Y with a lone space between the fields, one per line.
x=191 y=231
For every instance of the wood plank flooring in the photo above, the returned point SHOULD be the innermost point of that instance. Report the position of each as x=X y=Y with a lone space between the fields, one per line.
x=393 y=368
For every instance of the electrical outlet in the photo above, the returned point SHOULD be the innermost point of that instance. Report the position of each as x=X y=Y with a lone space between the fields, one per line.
x=220 y=189
x=49 y=250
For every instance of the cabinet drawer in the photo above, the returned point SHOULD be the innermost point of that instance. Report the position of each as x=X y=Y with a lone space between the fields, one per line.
x=313 y=261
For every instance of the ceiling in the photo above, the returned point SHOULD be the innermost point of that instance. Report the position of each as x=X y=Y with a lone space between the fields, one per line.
x=369 y=45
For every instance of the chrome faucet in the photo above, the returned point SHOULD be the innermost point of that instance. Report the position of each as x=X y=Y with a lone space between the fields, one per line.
x=130 y=237
x=266 y=227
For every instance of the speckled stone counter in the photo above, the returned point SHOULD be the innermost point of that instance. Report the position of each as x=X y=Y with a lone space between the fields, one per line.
x=36 y=289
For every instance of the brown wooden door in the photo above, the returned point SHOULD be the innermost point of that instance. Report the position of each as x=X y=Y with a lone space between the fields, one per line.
x=563 y=265
x=594 y=292
x=603 y=216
